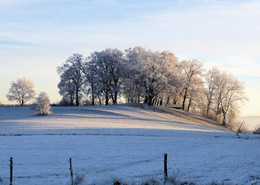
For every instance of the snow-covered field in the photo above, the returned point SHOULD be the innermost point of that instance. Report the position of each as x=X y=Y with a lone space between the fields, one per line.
x=122 y=141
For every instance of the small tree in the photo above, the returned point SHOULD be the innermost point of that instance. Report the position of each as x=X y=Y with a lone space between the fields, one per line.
x=21 y=91
x=42 y=104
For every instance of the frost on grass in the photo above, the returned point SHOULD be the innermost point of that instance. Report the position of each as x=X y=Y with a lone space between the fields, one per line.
x=42 y=105
x=125 y=141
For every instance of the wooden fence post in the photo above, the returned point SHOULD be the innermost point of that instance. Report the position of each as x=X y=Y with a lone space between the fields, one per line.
x=71 y=172
x=165 y=167
x=11 y=170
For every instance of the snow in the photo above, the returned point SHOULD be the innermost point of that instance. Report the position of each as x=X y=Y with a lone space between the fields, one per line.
x=122 y=141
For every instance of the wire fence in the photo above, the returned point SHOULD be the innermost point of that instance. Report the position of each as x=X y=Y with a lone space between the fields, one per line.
x=15 y=178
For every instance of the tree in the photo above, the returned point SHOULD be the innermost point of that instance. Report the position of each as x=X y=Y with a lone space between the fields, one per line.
x=42 y=104
x=67 y=89
x=192 y=69
x=195 y=95
x=72 y=78
x=154 y=74
x=234 y=92
x=223 y=93
x=92 y=80
x=21 y=91
x=211 y=79
x=108 y=68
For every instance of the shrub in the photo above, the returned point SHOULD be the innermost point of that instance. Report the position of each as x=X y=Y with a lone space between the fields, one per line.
x=118 y=182
x=79 y=179
x=42 y=105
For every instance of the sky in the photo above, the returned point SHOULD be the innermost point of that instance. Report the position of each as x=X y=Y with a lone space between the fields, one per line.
x=36 y=36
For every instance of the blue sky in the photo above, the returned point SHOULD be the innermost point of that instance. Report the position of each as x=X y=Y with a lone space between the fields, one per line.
x=38 y=35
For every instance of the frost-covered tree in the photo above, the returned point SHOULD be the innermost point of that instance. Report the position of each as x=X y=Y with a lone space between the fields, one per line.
x=21 y=91
x=42 y=104
x=72 y=79
x=195 y=95
x=106 y=70
x=191 y=70
x=67 y=89
x=92 y=81
x=154 y=74
x=230 y=92
x=223 y=94
x=212 y=78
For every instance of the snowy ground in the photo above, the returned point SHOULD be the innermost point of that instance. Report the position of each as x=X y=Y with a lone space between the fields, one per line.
x=126 y=142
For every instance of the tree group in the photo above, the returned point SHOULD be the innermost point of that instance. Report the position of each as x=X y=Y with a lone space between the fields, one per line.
x=156 y=78
x=22 y=91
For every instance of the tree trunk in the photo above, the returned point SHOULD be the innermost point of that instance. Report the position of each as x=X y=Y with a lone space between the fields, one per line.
x=71 y=100
x=150 y=100
x=115 y=98
x=107 y=98
x=190 y=100
x=93 y=100
x=184 y=98
x=168 y=100
x=146 y=99
x=77 y=96
x=93 y=95
x=207 y=112
x=224 y=117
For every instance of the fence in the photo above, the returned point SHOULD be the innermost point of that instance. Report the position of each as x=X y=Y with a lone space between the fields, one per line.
x=71 y=170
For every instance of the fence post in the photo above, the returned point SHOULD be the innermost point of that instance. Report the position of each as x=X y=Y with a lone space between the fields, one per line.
x=165 y=167
x=11 y=170
x=71 y=172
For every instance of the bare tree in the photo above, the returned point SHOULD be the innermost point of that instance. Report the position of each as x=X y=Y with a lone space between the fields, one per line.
x=21 y=91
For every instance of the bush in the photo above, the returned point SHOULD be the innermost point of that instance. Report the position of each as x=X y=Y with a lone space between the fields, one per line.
x=42 y=105
x=79 y=179
x=118 y=182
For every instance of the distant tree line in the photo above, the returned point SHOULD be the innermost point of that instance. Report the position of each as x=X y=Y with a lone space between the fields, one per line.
x=145 y=76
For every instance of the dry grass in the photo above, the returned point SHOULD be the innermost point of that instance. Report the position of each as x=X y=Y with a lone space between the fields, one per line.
x=257 y=131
